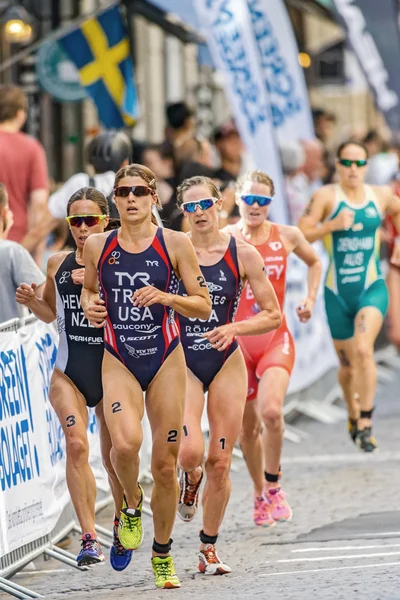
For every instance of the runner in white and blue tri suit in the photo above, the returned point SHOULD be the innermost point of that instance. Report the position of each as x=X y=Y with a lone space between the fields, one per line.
x=215 y=362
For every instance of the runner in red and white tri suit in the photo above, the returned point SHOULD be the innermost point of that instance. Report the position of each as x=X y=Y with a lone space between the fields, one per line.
x=269 y=357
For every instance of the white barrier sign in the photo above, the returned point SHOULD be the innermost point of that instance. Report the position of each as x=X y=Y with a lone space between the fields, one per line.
x=227 y=25
x=32 y=472
x=315 y=353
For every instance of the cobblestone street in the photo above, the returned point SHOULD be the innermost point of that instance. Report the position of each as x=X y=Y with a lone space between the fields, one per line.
x=343 y=541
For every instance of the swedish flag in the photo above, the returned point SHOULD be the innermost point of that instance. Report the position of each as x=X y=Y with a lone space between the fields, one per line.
x=100 y=49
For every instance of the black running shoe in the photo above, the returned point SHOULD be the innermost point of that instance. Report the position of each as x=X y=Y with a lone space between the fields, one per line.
x=365 y=440
x=352 y=429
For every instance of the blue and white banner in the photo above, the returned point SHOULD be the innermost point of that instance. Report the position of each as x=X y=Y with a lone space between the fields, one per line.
x=282 y=73
x=227 y=25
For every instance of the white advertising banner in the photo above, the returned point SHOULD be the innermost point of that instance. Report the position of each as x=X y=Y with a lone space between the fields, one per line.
x=32 y=471
x=228 y=28
x=315 y=353
x=283 y=76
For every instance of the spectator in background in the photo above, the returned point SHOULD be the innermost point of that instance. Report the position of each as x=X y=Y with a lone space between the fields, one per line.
x=230 y=147
x=296 y=183
x=181 y=124
x=23 y=168
x=373 y=142
x=16 y=265
x=159 y=158
x=314 y=166
x=324 y=125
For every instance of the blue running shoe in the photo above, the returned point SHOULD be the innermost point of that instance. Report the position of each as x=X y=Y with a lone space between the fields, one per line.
x=90 y=553
x=119 y=556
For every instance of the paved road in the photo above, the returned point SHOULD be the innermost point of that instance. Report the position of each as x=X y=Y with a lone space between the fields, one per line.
x=343 y=542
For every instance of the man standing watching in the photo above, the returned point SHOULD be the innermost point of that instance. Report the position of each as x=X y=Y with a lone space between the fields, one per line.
x=23 y=167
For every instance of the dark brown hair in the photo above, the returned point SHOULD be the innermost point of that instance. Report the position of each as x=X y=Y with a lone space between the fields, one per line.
x=351 y=143
x=136 y=170
x=255 y=176
x=12 y=100
x=3 y=195
x=194 y=181
x=89 y=193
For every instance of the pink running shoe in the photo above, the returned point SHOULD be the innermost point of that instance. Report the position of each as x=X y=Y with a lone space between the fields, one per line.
x=262 y=513
x=280 y=509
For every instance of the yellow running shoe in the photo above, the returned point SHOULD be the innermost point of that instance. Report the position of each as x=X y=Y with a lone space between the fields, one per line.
x=130 y=528
x=164 y=572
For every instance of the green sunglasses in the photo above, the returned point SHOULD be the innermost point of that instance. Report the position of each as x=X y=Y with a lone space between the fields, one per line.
x=346 y=162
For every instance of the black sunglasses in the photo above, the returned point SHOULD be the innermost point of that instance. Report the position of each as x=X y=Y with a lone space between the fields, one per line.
x=137 y=190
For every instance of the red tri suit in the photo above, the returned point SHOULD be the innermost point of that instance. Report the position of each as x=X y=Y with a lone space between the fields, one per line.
x=276 y=348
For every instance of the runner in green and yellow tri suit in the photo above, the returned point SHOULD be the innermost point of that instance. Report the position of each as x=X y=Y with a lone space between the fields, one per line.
x=347 y=217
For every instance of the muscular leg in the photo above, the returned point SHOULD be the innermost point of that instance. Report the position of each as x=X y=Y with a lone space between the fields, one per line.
x=165 y=402
x=393 y=283
x=368 y=323
x=271 y=394
x=191 y=453
x=345 y=350
x=106 y=445
x=123 y=412
x=226 y=400
x=251 y=444
x=71 y=410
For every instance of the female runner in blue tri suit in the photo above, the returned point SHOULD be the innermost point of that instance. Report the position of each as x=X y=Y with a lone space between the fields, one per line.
x=131 y=288
x=215 y=361
x=76 y=380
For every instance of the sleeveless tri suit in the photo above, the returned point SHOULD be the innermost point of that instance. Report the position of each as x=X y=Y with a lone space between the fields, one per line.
x=141 y=338
x=354 y=279
x=276 y=348
x=81 y=347
x=224 y=286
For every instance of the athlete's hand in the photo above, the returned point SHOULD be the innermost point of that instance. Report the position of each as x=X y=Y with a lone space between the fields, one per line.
x=78 y=275
x=344 y=220
x=96 y=313
x=221 y=337
x=149 y=295
x=304 y=311
x=395 y=260
x=25 y=293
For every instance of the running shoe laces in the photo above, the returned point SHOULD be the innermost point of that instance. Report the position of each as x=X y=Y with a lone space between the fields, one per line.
x=211 y=555
x=189 y=497
x=133 y=520
x=88 y=543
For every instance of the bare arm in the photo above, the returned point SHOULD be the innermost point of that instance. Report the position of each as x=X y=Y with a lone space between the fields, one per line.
x=37 y=215
x=307 y=254
x=317 y=210
x=393 y=209
x=269 y=317
x=197 y=303
x=92 y=306
x=41 y=300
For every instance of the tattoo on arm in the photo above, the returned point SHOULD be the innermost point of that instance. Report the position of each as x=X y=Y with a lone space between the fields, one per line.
x=344 y=359
x=308 y=208
x=185 y=431
x=172 y=435
x=116 y=407
x=222 y=442
x=201 y=281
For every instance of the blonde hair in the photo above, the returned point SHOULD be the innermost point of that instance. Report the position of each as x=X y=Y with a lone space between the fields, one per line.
x=136 y=170
x=194 y=181
x=255 y=176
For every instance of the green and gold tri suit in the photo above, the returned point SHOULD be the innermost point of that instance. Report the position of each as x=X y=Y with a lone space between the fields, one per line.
x=354 y=279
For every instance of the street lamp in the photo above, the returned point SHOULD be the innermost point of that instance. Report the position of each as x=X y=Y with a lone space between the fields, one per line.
x=17 y=25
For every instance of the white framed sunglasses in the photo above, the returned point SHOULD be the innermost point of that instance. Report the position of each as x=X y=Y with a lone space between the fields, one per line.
x=203 y=204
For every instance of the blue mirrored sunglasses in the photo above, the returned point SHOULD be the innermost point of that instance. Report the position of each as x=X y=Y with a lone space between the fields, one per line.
x=203 y=204
x=251 y=199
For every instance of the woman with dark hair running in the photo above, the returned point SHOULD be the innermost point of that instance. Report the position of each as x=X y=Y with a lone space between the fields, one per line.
x=269 y=357
x=347 y=217
x=131 y=288
x=215 y=362
x=76 y=380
